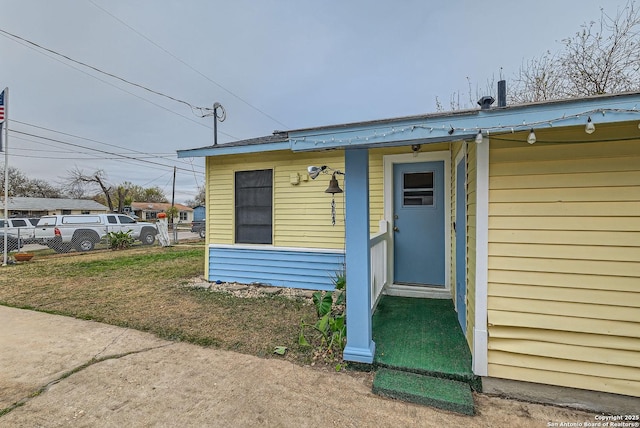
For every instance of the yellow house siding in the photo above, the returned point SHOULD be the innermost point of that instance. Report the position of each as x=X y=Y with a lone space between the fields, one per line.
x=376 y=190
x=302 y=212
x=219 y=202
x=471 y=240
x=564 y=263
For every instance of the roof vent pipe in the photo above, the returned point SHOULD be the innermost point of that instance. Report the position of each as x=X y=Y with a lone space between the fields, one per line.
x=485 y=102
x=502 y=93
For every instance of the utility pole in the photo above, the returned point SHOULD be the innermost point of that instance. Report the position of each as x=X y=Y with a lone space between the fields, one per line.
x=221 y=118
x=173 y=208
x=5 y=104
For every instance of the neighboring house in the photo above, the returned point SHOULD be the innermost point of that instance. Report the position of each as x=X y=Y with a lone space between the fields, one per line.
x=199 y=213
x=37 y=207
x=522 y=215
x=150 y=210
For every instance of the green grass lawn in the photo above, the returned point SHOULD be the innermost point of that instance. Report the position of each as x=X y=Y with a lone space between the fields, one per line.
x=144 y=288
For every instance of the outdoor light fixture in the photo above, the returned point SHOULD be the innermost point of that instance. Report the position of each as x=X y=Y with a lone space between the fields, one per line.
x=590 y=128
x=314 y=171
x=531 y=139
x=451 y=131
x=479 y=136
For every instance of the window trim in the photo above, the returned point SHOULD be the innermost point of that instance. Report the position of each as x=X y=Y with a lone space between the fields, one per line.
x=431 y=189
x=235 y=206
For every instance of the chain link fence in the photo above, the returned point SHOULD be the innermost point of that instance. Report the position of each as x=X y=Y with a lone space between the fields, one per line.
x=87 y=239
x=82 y=240
x=14 y=241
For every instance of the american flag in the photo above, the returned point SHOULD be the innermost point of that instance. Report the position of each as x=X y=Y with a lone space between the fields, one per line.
x=2 y=106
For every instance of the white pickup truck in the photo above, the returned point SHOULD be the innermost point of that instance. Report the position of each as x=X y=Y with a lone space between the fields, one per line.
x=84 y=231
x=24 y=228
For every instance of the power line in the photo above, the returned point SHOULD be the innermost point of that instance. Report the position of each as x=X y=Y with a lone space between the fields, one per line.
x=97 y=150
x=194 y=173
x=86 y=139
x=188 y=65
x=119 y=88
x=49 y=150
x=122 y=79
x=155 y=179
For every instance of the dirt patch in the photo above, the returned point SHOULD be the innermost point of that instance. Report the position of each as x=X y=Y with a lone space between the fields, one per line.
x=144 y=381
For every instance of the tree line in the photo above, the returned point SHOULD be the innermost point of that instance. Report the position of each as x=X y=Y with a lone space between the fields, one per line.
x=80 y=185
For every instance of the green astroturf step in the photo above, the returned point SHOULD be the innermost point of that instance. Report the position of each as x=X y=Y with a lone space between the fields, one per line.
x=426 y=390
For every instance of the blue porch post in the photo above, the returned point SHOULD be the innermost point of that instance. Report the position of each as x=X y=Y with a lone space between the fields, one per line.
x=360 y=346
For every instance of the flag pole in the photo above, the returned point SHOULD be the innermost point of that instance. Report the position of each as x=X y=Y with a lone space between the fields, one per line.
x=6 y=175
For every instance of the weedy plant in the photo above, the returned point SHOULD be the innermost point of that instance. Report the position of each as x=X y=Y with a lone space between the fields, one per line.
x=120 y=240
x=329 y=332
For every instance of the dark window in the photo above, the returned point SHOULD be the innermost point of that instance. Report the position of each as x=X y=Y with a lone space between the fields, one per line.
x=183 y=215
x=112 y=219
x=418 y=188
x=126 y=219
x=65 y=212
x=254 y=206
x=19 y=223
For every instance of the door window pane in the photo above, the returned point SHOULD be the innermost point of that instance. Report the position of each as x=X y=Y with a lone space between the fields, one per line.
x=418 y=189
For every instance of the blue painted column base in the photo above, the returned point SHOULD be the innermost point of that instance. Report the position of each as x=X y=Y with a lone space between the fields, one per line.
x=360 y=355
x=360 y=346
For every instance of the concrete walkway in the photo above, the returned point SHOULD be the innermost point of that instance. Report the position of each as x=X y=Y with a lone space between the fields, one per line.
x=68 y=372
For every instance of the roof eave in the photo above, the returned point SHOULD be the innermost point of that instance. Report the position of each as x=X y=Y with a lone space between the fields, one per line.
x=437 y=127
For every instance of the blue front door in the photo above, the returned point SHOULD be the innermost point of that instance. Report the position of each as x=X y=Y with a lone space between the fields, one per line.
x=418 y=223
x=461 y=244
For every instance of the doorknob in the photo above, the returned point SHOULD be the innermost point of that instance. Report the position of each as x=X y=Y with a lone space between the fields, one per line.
x=395 y=229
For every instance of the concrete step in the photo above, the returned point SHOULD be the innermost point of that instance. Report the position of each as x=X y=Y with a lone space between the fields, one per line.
x=426 y=390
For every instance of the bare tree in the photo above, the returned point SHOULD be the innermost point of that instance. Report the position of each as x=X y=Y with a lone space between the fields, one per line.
x=538 y=79
x=122 y=192
x=77 y=178
x=200 y=198
x=602 y=58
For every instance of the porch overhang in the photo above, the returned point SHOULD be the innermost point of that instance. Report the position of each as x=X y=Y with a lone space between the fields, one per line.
x=438 y=127
x=465 y=125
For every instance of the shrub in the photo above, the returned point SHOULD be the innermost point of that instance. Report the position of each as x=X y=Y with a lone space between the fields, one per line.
x=120 y=240
x=331 y=327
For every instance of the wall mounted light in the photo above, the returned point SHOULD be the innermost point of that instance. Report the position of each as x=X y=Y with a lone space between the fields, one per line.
x=589 y=128
x=314 y=171
x=451 y=131
x=531 y=139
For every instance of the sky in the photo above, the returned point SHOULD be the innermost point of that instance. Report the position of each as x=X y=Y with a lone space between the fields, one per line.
x=272 y=64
